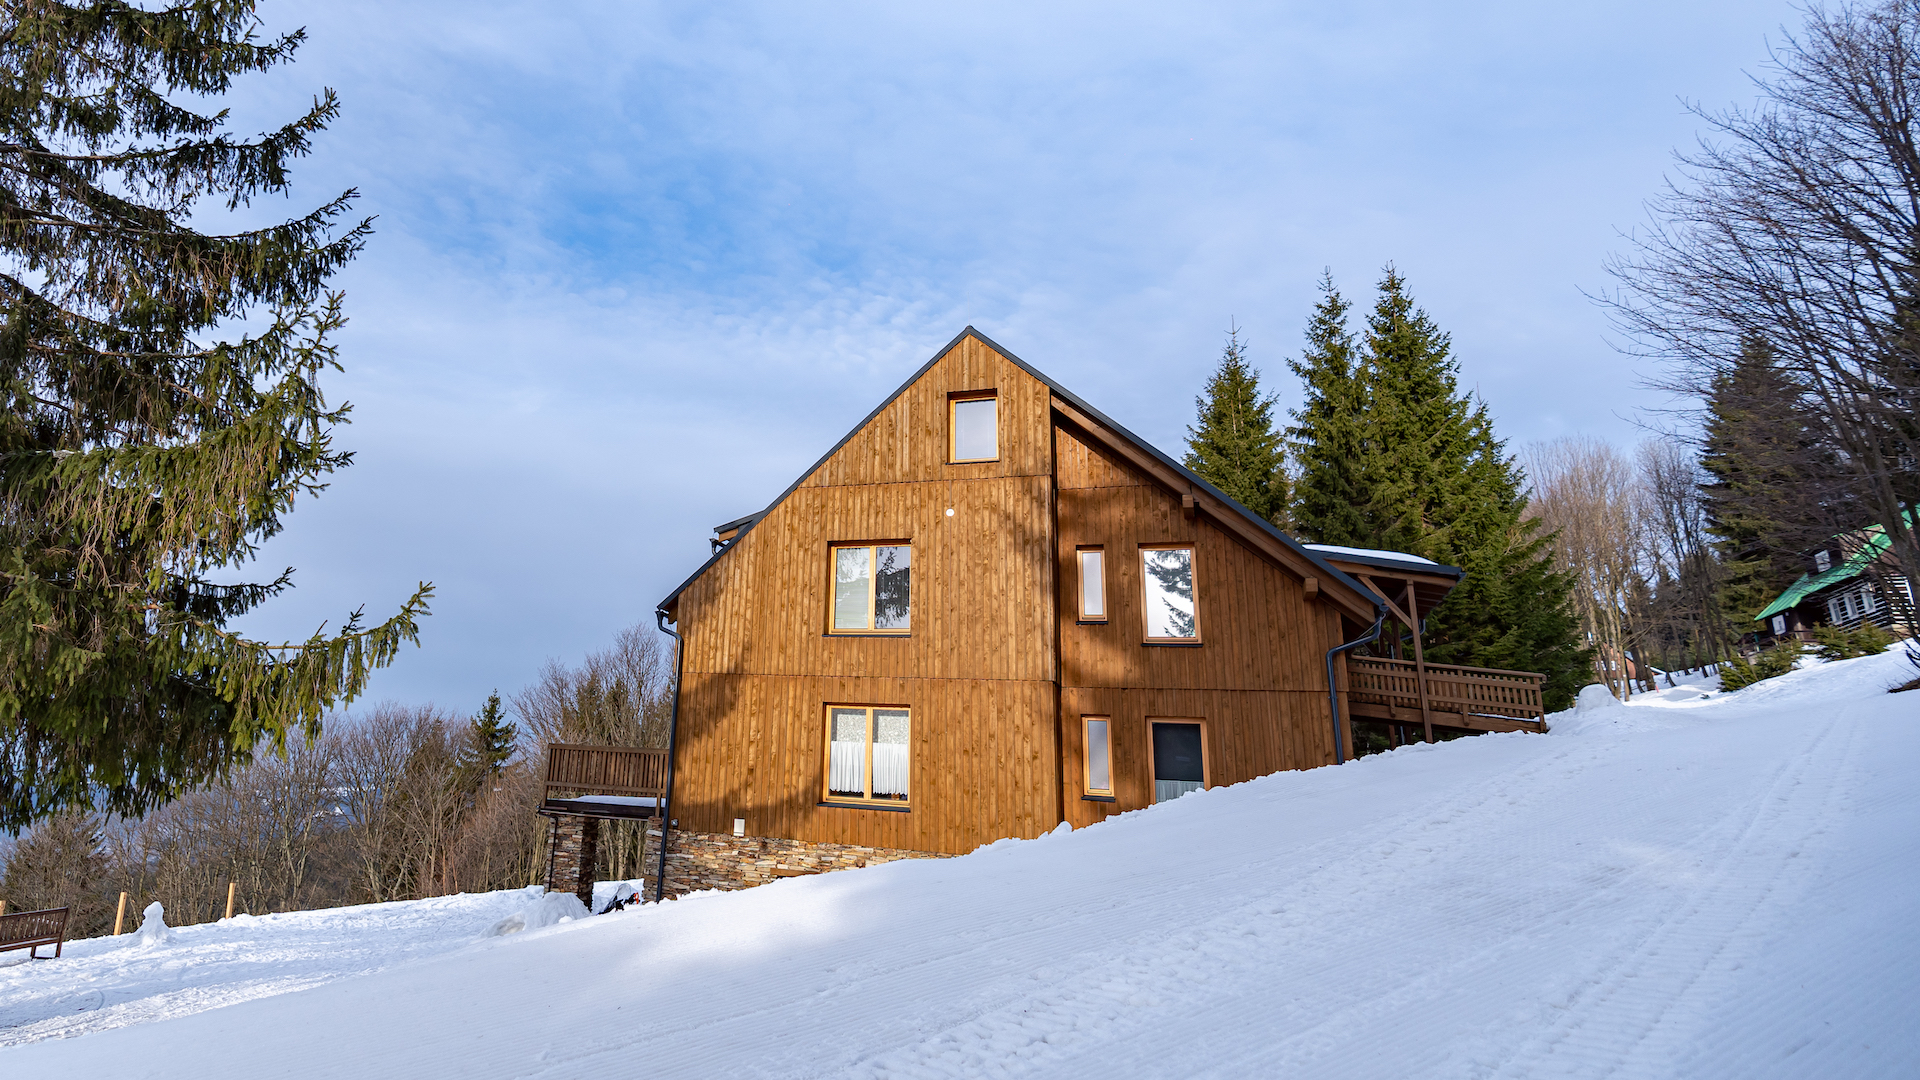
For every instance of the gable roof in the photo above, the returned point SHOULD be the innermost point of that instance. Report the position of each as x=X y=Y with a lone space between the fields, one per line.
x=1873 y=544
x=1260 y=527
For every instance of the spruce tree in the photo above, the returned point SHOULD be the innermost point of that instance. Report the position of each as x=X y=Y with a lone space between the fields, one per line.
x=1235 y=447
x=1327 y=437
x=144 y=449
x=1769 y=471
x=1421 y=471
x=492 y=740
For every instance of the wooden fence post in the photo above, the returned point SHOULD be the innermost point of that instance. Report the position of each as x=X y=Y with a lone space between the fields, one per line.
x=120 y=919
x=230 y=886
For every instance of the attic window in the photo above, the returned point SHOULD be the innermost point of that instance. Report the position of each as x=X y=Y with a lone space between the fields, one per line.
x=973 y=424
x=1822 y=562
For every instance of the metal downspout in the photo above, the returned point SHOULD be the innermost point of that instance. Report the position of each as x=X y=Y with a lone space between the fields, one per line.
x=1333 y=689
x=673 y=731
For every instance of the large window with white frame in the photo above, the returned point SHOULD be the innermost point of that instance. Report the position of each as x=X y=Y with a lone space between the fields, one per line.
x=868 y=754
x=1167 y=583
x=872 y=588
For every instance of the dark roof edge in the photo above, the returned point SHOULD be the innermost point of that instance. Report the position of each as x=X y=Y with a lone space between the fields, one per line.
x=754 y=519
x=739 y=521
x=1076 y=402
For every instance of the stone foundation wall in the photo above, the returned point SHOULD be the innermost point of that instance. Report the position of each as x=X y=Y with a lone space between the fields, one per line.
x=698 y=861
x=574 y=851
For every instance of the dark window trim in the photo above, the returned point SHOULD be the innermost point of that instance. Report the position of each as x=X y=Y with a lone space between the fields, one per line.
x=1097 y=798
x=865 y=806
x=1171 y=644
x=868 y=633
x=1092 y=622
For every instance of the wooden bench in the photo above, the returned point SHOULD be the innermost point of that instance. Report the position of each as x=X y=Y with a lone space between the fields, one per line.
x=31 y=929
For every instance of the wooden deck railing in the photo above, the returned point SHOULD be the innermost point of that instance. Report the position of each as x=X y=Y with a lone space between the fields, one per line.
x=575 y=770
x=1486 y=693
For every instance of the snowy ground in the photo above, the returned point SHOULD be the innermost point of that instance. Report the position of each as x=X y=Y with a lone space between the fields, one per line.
x=1718 y=886
x=106 y=982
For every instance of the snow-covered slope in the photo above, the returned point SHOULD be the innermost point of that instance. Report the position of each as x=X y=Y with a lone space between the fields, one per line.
x=1720 y=886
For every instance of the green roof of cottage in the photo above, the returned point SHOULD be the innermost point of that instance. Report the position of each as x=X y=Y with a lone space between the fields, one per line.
x=1874 y=544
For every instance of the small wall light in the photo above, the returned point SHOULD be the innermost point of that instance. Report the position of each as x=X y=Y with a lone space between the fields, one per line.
x=949 y=511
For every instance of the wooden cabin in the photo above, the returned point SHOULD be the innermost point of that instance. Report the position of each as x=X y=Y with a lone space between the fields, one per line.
x=991 y=609
x=1852 y=580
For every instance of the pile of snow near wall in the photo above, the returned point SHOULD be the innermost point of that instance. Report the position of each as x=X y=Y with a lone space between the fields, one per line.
x=1696 y=885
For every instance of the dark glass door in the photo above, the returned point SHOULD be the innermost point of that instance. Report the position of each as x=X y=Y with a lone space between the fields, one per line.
x=1179 y=764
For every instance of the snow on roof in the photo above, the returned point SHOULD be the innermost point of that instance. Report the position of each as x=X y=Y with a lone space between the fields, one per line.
x=1369 y=553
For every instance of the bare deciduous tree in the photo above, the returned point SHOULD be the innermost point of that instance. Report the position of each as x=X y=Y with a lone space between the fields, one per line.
x=1798 y=226
x=1589 y=497
x=1687 y=615
x=618 y=697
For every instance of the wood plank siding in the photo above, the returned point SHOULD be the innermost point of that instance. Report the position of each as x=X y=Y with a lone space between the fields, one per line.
x=977 y=670
x=995 y=670
x=1258 y=678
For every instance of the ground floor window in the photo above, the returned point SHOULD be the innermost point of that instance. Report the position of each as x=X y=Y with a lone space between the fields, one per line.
x=1179 y=758
x=1099 y=744
x=867 y=753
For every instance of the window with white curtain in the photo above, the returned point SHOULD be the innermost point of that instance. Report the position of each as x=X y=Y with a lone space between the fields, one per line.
x=868 y=753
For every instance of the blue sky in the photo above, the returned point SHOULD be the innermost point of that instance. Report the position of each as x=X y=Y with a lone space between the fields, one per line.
x=638 y=265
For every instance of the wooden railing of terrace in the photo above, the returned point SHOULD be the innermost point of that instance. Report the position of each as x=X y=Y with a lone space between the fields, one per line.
x=604 y=781
x=1472 y=699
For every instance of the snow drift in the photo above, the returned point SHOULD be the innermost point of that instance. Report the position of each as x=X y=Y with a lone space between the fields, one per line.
x=1701 y=886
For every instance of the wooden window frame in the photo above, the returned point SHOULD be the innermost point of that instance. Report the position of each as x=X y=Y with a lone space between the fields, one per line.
x=873 y=587
x=1146 y=598
x=828 y=797
x=1080 y=581
x=1206 y=752
x=1087 y=790
x=953 y=429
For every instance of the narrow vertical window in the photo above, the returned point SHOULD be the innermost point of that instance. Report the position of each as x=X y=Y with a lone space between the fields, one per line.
x=974 y=424
x=1167 y=578
x=1093 y=585
x=1099 y=757
x=1179 y=758
x=868 y=753
x=872 y=588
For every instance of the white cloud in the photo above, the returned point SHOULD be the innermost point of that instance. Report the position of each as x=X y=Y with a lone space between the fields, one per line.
x=638 y=265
